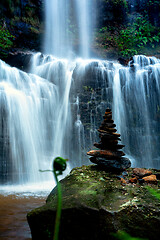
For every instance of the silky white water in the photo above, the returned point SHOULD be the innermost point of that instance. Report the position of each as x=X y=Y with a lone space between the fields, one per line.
x=68 y=22
x=42 y=114
x=57 y=108
x=57 y=39
x=27 y=102
x=84 y=25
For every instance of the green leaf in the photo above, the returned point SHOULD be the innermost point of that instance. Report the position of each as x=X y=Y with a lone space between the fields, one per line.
x=121 y=235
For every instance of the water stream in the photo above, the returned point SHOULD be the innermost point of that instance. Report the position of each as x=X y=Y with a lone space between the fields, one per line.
x=56 y=109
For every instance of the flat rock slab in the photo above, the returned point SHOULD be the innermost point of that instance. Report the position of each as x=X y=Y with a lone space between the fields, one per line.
x=113 y=165
x=96 y=204
x=106 y=154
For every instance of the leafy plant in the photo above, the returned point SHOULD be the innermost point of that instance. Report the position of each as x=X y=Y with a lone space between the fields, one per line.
x=6 y=38
x=136 y=36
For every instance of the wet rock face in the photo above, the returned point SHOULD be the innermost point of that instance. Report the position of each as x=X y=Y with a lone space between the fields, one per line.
x=5 y=156
x=109 y=156
x=110 y=12
x=96 y=204
x=19 y=59
x=5 y=166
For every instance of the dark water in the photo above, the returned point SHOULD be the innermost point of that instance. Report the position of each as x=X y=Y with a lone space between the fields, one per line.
x=13 y=211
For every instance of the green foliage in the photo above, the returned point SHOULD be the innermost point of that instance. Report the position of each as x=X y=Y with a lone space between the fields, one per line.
x=6 y=39
x=88 y=88
x=33 y=20
x=34 y=30
x=121 y=235
x=136 y=36
x=105 y=37
x=118 y=3
x=103 y=29
x=155 y=3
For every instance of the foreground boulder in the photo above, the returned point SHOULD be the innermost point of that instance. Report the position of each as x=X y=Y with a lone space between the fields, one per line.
x=97 y=204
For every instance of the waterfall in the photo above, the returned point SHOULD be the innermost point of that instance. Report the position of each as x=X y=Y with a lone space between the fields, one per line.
x=57 y=39
x=132 y=93
x=84 y=26
x=68 y=22
x=27 y=103
x=59 y=73
x=56 y=109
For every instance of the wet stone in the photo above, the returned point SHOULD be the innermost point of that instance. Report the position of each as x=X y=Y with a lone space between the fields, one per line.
x=120 y=164
x=106 y=154
x=141 y=172
x=150 y=179
x=133 y=180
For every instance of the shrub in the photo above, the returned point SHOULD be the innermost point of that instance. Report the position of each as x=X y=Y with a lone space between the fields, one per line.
x=135 y=37
x=6 y=39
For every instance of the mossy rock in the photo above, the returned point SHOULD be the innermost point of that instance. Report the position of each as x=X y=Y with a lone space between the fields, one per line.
x=95 y=205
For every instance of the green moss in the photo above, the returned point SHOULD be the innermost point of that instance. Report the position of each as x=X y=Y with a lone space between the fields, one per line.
x=89 y=185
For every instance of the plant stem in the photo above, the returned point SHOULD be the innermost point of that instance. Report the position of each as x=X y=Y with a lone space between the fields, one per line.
x=59 y=208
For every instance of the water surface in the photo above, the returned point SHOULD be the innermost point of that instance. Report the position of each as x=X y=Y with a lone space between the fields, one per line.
x=14 y=207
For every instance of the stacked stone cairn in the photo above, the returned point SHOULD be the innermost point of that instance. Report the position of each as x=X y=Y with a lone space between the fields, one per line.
x=110 y=156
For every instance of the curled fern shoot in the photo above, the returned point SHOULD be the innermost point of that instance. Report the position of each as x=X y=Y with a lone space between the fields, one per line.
x=59 y=165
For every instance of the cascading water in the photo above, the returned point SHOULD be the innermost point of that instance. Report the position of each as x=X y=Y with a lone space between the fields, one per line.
x=57 y=109
x=57 y=37
x=84 y=26
x=133 y=94
x=58 y=72
x=27 y=104
x=62 y=18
